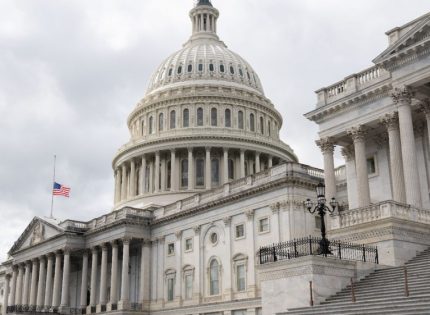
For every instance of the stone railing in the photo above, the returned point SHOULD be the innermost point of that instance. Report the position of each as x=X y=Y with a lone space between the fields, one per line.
x=380 y=211
x=352 y=84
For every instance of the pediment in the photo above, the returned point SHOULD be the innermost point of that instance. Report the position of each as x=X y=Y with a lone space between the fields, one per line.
x=38 y=231
x=417 y=34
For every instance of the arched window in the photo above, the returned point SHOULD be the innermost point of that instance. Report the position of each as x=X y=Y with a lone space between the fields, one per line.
x=211 y=67
x=241 y=72
x=184 y=173
x=214 y=277
x=230 y=169
x=200 y=67
x=214 y=118
x=200 y=172
x=143 y=127
x=179 y=69
x=190 y=68
x=199 y=116
x=231 y=69
x=262 y=125
x=169 y=174
x=251 y=122
x=161 y=122
x=269 y=128
x=215 y=172
x=227 y=118
x=172 y=119
x=240 y=119
x=186 y=118
x=170 y=71
x=151 y=125
x=221 y=68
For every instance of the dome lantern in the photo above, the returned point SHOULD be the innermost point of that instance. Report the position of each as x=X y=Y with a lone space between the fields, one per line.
x=204 y=17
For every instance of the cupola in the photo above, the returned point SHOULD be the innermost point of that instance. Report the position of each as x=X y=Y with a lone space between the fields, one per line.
x=204 y=18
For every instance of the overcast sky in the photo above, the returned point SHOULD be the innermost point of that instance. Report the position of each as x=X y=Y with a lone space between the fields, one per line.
x=71 y=72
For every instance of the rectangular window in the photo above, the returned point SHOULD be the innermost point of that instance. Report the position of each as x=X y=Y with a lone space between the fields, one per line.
x=240 y=231
x=188 y=287
x=170 y=289
x=263 y=225
x=371 y=166
x=188 y=244
x=240 y=272
x=170 y=249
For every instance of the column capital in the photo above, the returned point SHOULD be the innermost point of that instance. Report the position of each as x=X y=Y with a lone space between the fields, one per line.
x=197 y=229
x=178 y=234
x=390 y=121
x=348 y=152
x=114 y=243
x=227 y=221
x=275 y=207
x=326 y=145
x=225 y=149
x=104 y=247
x=67 y=250
x=126 y=240
x=208 y=148
x=424 y=106
x=190 y=149
x=250 y=214
x=357 y=133
x=34 y=260
x=94 y=249
x=402 y=95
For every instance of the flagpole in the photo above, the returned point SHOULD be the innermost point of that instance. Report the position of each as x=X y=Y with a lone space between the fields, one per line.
x=52 y=193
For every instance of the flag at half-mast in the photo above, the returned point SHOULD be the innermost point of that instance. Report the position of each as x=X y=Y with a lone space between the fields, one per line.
x=60 y=190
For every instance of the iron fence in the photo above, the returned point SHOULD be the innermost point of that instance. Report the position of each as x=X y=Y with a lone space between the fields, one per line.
x=309 y=246
x=25 y=309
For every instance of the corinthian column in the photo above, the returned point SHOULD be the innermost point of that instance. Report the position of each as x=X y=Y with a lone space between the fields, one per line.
x=425 y=108
x=242 y=164
x=84 y=280
x=93 y=282
x=57 y=281
x=363 y=191
x=157 y=172
x=327 y=148
x=66 y=277
x=103 y=276
x=190 y=169
x=397 y=179
x=26 y=284
x=33 y=287
x=143 y=176
x=41 y=284
x=114 y=275
x=208 y=175
x=225 y=166
x=6 y=295
x=173 y=171
x=132 y=191
x=125 y=281
x=402 y=97
x=18 y=295
x=13 y=286
x=124 y=182
x=117 y=186
x=48 y=289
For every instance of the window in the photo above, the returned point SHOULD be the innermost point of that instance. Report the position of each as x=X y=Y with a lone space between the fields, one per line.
x=169 y=174
x=371 y=166
x=211 y=67
x=251 y=122
x=240 y=278
x=161 y=122
x=186 y=118
x=151 y=125
x=263 y=225
x=214 y=277
x=230 y=169
x=214 y=117
x=247 y=74
x=170 y=72
x=188 y=244
x=170 y=289
x=262 y=125
x=200 y=172
x=199 y=116
x=200 y=67
x=188 y=287
x=170 y=249
x=231 y=70
x=240 y=231
x=179 y=69
x=215 y=172
x=172 y=119
x=214 y=238
x=240 y=119
x=228 y=118
x=269 y=127
x=221 y=68
x=190 y=68
x=143 y=127
x=184 y=173
x=241 y=72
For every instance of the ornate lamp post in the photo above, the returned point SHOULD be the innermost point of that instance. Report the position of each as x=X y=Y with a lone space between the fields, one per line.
x=322 y=209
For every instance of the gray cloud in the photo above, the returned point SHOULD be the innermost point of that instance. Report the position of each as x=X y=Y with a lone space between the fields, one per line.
x=71 y=71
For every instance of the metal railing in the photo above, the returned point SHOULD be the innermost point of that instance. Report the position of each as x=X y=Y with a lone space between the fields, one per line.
x=21 y=309
x=311 y=246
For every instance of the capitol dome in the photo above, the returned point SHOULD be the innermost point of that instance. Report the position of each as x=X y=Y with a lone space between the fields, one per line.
x=204 y=121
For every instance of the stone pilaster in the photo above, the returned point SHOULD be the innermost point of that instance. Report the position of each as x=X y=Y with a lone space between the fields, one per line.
x=145 y=269
x=402 y=97
x=349 y=156
x=197 y=276
x=363 y=192
x=391 y=122
x=327 y=148
x=250 y=245
x=275 y=221
x=178 y=284
x=228 y=288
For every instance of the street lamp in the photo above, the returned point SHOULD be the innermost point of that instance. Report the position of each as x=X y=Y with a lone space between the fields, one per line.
x=322 y=209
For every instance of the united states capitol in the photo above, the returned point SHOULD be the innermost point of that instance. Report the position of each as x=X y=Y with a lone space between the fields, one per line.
x=210 y=214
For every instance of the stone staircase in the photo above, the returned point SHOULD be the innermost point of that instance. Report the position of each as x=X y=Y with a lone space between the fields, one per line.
x=382 y=292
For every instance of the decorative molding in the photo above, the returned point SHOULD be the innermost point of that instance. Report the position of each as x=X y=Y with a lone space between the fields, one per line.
x=227 y=221
x=357 y=133
x=250 y=214
x=326 y=145
x=390 y=121
x=402 y=95
x=348 y=152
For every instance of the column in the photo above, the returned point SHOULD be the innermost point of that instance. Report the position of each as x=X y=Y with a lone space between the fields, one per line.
x=173 y=179
x=66 y=278
x=402 y=97
x=145 y=265
x=363 y=191
x=425 y=108
x=351 y=185
x=257 y=162
x=151 y=177
x=208 y=175
x=103 y=276
x=397 y=179
x=57 y=281
x=33 y=285
x=178 y=256
x=117 y=188
x=160 y=274
x=327 y=148
x=157 y=172
x=114 y=275
x=251 y=247
x=93 y=281
x=18 y=295
x=6 y=294
x=143 y=176
x=124 y=182
x=48 y=288
x=228 y=288
x=41 y=283
x=270 y=161
x=242 y=163
x=26 y=287
x=13 y=286
x=124 y=302
x=163 y=174
x=84 y=280
x=132 y=191
x=190 y=169
x=225 y=166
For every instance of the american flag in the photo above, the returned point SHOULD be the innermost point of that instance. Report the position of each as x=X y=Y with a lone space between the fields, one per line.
x=60 y=190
